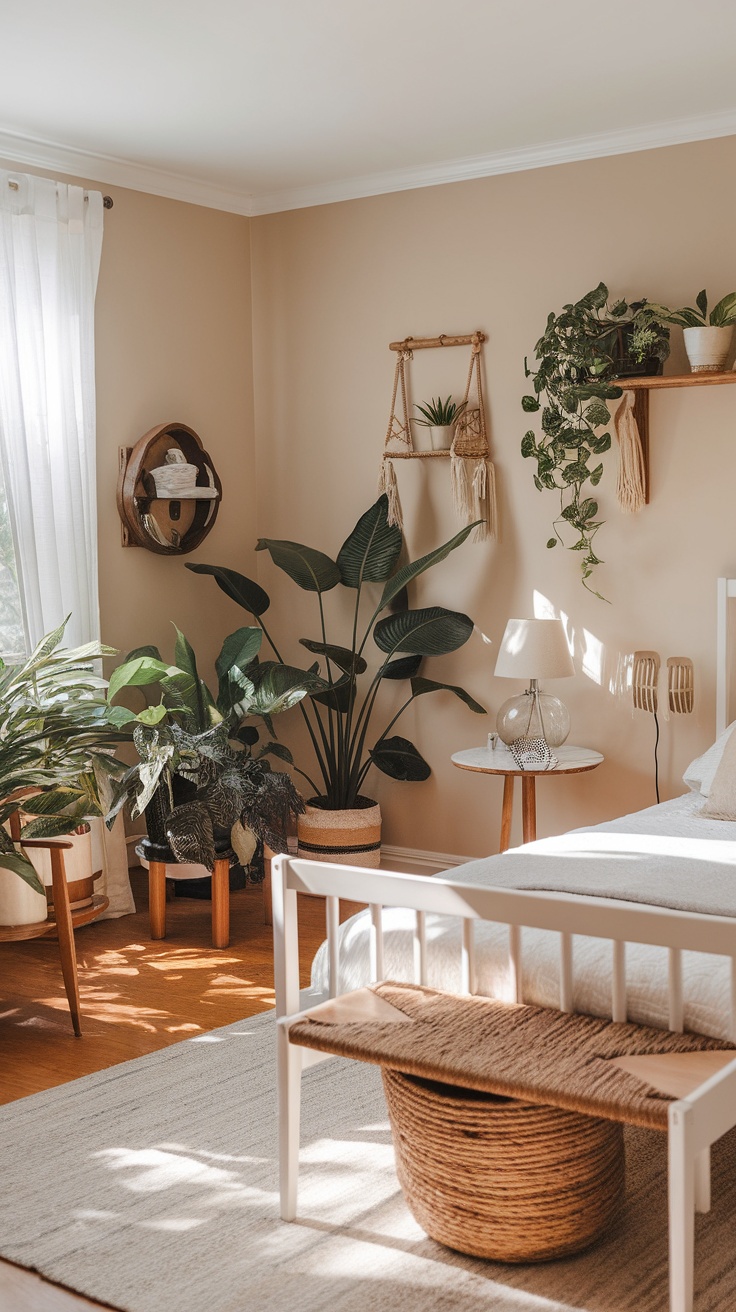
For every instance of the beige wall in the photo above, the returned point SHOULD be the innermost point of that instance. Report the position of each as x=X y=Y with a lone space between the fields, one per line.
x=173 y=342
x=333 y=285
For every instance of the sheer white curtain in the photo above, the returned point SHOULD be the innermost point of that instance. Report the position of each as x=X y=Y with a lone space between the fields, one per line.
x=50 y=246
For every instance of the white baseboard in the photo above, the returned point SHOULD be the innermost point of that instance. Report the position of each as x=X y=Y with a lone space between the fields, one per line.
x=436 y=861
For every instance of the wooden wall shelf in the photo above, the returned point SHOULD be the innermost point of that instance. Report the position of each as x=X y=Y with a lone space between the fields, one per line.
x=169 y=526
x=643 y=386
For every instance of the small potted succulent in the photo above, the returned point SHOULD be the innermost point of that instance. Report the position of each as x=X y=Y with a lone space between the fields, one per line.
x=707 y=336
x=440 y=417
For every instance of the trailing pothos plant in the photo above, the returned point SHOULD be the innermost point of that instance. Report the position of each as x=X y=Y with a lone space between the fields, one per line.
x=186 y=732
x=338 y=713
x=579 y=354
x=57 y=744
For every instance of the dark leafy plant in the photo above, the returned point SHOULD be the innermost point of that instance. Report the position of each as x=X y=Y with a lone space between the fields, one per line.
x=721 y=316
x=56 y=735
x=438 y=413
x=206 y=741
x=573 y=383
x=338 y=713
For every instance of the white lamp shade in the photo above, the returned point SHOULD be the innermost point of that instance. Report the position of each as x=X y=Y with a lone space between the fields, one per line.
x=534 y=649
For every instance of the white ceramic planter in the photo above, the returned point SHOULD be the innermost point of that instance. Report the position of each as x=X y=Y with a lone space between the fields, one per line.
x=77 y=866
x=349 y=838
x=19 y=904
x=708 y=348
x=441 y=437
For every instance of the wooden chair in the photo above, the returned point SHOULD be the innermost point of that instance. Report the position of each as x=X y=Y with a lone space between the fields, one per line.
x=63 y=924
x=694 y=1105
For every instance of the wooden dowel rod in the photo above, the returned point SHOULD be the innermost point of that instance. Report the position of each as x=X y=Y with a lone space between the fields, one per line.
x=427 y=343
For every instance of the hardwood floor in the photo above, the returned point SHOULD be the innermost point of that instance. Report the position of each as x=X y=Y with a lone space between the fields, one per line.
x=137 y=996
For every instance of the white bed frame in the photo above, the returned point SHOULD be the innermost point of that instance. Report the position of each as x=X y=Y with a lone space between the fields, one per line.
x=695 y=1122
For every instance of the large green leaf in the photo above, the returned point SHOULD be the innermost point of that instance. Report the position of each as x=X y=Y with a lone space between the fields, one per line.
x=433 y=631
x=23 y=867
x=141 y=671
x=371 y=551
x=413 y=570
x=311 y=570
x=420 y=686
x=237 y=587
x=238 y=649
x=405 y=667
x=399 y=759
x=278 y=687
x=724 y=312
x=53 y=826
x=343 y=657
x=192 y=695
x=339 y=697
x=149 y=650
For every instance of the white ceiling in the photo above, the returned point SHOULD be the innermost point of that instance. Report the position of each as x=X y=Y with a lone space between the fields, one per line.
x=262 y=105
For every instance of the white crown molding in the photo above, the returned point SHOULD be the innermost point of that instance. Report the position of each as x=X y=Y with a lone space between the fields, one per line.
x=36 y=152
x=676 y=132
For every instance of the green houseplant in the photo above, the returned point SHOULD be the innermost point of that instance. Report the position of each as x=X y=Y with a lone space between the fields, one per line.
x=338 y=714
x=707 y=336
x=57 y=742
x=580 y=357
x=440 y=417
x=199 y=777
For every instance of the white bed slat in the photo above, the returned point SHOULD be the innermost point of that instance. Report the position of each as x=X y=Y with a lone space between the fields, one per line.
x=515 y=962
x=332 y=912
x=420 y=948
x=733 y=1000
x=619 y=1009
x=376 y=942
x=676 y=1019
x=468 y=982
x=566 y=976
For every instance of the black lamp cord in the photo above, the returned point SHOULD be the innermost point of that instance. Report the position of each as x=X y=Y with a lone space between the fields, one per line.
x=656 y=757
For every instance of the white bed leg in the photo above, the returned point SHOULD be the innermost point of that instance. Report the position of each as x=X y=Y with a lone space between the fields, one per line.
x=702 y=1181
x=289 y=1102
x=681 y=1184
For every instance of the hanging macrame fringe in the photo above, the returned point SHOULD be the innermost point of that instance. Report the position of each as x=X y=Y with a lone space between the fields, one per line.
x=474 y=494
x=387 y=483
x=630 y=488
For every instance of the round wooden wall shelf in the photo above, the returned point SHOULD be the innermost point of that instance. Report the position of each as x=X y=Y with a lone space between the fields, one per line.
x=168 y=525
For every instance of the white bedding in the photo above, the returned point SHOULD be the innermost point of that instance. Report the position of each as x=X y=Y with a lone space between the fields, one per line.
x=663 y=854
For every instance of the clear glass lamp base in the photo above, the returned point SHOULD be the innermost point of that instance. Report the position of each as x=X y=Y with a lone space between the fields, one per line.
x=519 y=717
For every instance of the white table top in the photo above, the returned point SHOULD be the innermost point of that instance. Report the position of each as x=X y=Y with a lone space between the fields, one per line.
x=500 y=761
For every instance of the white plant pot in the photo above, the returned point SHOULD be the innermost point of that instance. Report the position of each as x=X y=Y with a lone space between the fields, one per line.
x=441 y=437
x=77 y=867
x=19 y=904
x=707 y=348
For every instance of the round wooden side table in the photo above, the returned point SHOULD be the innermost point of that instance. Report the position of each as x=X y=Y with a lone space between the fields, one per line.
x=485 y=760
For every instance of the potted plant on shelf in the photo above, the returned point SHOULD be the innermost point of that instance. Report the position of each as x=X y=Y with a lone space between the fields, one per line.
x=582 y=353
x=57 y=741
x=342 y=823
x=707 y=337
x=439 y=418
x=203 y=788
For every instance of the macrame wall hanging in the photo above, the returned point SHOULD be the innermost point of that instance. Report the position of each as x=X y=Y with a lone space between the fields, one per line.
x=631 y=487
x=472 y=474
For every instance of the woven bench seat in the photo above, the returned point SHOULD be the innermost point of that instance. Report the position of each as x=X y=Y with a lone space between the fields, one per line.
x=621 y=1072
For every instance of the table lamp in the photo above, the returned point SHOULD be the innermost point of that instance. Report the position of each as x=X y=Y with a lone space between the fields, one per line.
x=534 y=650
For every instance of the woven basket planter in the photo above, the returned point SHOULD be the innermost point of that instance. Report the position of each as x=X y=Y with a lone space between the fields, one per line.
x=349 y=838
x=502 y=1179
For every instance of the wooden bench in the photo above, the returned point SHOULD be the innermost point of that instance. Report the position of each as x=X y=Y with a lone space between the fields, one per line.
x=682 y=1084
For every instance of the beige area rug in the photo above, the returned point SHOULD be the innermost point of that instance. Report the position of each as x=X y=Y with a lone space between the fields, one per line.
x=152 y=1186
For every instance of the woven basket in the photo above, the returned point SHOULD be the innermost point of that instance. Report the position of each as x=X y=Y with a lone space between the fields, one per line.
x=502 y=1179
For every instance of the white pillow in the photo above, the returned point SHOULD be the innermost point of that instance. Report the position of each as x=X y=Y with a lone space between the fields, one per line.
x=700 y=773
